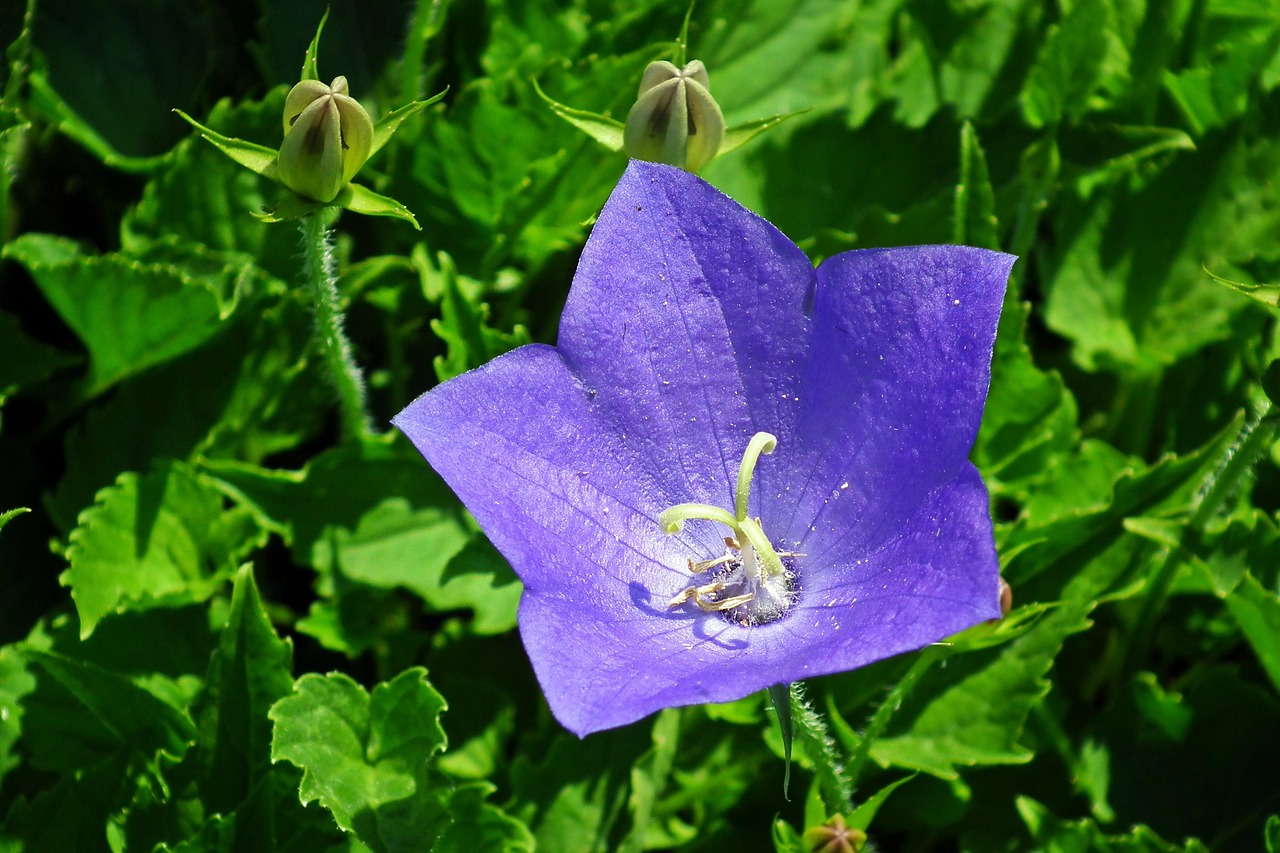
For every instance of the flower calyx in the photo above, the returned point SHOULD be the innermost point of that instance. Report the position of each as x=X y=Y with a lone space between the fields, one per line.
x=752 y=583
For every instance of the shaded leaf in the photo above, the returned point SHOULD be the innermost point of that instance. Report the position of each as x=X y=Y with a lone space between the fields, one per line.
x=157 y=540
x=249 y=672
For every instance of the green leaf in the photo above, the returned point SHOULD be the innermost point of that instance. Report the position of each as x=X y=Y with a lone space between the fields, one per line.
x=256 y=158
x=973 y=711
x=1127 y=153
x=87 y=714
x=469 y=340
x=1272 y=834
x=1030 y=417
x=375 y=514
x=575 y=796
x=203 y=197
x=649 y=778
x=25 y=361
x=1139 y=302
x=154 y=541
x=74 y=42
x=16 y=681
x=1051 y=834
x=974 y=222
x=1214 y=87
x=71 y=814
x=368 y=757
x=477 y=825
x=167 y=309
x=249 y=672
x=249 y=392
x=1068 y=67
x=1257 y=612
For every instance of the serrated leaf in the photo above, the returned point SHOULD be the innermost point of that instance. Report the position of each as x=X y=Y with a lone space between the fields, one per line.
x=249 y=672
x=374 y=514
x=25 y=361
x=649 y=778
x=575 y=796
x=1051 y=834
x=16 y=681
x=156 y=540
x=477 y=825
x=1257 y=612
x=972 y=712
x=248 y=393
x=203 y=197
x=167 y=310
x=368 y=757
x=88 y=714
x=1068 y=66
x=1030 y=417
x=470 y=341
x=71 y=814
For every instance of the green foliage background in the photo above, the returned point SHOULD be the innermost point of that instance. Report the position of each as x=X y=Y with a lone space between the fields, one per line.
x=218 y=618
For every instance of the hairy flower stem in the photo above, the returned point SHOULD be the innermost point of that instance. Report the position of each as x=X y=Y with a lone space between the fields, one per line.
x=880 y=720
x=811 y=730
x=318 y=268
x=1255 y=438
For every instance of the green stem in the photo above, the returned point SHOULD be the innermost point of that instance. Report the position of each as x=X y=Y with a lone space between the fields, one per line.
x=880 y=720
x=833 y=782
x=1254 y=440
x=318 y=267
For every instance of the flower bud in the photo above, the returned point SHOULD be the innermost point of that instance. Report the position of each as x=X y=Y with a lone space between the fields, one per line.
x=327 y=138
x=675 y=120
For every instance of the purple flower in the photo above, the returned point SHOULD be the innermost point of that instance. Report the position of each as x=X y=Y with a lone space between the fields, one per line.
x=696 y=337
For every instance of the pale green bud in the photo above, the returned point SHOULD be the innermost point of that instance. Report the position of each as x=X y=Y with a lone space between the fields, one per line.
x=675 y=120
x=327 y=138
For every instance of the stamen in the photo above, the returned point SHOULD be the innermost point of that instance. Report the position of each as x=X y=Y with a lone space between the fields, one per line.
x=761 y=442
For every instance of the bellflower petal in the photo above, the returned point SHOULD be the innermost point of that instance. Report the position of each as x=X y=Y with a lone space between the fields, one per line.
x=692 y=326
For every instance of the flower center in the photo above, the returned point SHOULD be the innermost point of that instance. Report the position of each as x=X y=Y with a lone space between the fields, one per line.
x=752 y=582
